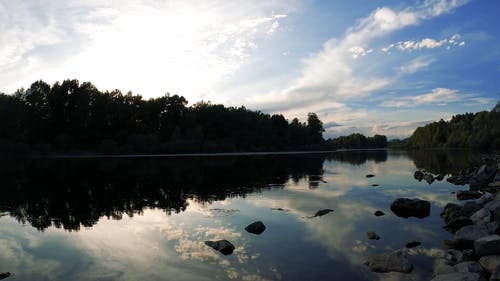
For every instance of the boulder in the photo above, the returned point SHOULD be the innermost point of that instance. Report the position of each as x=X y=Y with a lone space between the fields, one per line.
x=457 y=223
x=428 y=178
x=379 y=213
x=468 y=194
x=469 y=266
x=483 y=216
x=439 y=177
x=483 y=176
x=395 y=261
x=488 y=245
x=223 y=246
x=495 y=275
x=471 y=232
x=370 y=176
x=372 y=235
x=459 y=276
x=418 y=175
x=458 y=180
x=256 y=227
x=494 y=184
x=489 y=263
x=451 y=211
x=492 y=205
x=405 y=207
x=4 y=275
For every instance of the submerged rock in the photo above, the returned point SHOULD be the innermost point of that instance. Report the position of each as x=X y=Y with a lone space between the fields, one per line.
x=256 y=228
x=395 y=261
x=223 y=246
x=405 y=207
x=413 y=244
x=379 y=213
x=372 y=235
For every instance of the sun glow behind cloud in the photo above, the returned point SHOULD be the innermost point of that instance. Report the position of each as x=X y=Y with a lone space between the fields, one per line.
x=184 y=47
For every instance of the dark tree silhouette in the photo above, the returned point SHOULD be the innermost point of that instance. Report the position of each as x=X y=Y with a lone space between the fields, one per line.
x=74 y=116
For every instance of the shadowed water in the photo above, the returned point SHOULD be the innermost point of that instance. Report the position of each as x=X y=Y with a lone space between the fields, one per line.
x=148 y=218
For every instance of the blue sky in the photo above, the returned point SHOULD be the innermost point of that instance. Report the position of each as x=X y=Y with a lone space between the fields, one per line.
x=363 y=66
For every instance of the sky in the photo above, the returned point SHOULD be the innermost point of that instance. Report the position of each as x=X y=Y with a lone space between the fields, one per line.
x=363 y=66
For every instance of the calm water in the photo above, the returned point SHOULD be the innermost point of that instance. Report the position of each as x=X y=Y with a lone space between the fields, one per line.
x=147 y=219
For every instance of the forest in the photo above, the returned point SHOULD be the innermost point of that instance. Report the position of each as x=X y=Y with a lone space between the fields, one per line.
x=74 y=116
x=357 y=141
x=470 y=130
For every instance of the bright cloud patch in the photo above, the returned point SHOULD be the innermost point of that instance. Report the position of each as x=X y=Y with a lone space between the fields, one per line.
x=426 y=43
x=416 y=65
x=440 y=96
x=146 y=46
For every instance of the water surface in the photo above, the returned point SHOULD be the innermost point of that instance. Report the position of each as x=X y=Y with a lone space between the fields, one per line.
x=148 y=218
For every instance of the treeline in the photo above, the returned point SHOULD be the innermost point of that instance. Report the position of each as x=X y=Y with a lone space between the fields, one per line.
x=470 y=130
x=72 y=116
x=357 y=141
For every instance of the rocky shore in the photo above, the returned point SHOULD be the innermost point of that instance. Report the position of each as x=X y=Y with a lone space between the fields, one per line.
x=474 y=252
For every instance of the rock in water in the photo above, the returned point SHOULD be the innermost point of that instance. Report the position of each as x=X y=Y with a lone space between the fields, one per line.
x=439 y=177
x=372 y=235
x=223 y=246
x=418 y=175
x=4 y=275
x=370 y=176
x=394 y=261
x=412 y=244
x=256 y=228
x=379 y=213
x=322 y=212
x=428 y=178
x=405 y=207
x=468 y=194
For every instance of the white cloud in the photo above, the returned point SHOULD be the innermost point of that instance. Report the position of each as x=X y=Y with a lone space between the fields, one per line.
x=440 y=96
x=358 y=51
x=426 y=43
x=336 y=73
x=416 y=65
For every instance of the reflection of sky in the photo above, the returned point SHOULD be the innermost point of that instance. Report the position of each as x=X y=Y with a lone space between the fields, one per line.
x=155 y=246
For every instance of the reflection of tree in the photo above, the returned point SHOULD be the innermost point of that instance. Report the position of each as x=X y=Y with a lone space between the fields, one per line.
x=75 y=193
x=358 y=157
x=444 y=161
